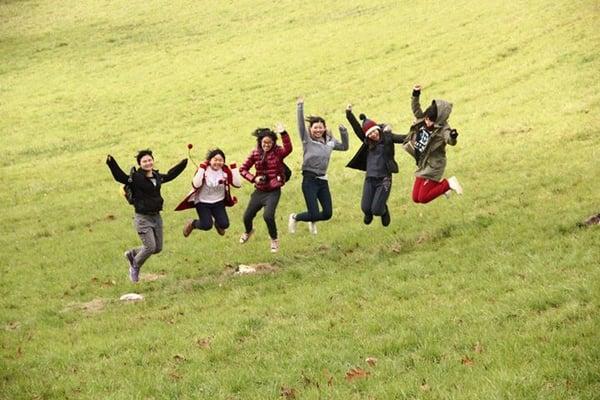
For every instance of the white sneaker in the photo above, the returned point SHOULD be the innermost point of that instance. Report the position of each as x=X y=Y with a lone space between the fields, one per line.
x=448 y=193
x=292 y=223
x=312 y=227
x=454 y=185
x=274 y=245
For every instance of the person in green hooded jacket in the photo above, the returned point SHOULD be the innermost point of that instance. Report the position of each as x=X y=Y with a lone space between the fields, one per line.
x=426 y=142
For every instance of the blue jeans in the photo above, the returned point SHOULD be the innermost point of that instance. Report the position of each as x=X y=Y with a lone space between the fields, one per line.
x=376 y=192
x=316 y=191
x=207 y=212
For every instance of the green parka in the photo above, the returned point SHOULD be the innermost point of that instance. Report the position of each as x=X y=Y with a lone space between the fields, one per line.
x=432 y=162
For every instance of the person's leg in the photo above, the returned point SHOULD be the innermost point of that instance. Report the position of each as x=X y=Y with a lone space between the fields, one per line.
x=158 y=234
x=145 y=230
x=417 y=189
x=367 y=200
x=269 y=214
x=254 y=205
x=381 y=195
x=309 y=190
x=205 y=221
x=324 y=196
x=220 y=215
x=431 y=190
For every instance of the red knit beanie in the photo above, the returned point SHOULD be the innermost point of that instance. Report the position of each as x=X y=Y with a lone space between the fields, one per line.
x=368 y=125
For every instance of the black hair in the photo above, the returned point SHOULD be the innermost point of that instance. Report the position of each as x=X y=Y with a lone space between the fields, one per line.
x=431 y=112
x=315 y=119
x=261 y=133
x=214 y=152
x=142 y=153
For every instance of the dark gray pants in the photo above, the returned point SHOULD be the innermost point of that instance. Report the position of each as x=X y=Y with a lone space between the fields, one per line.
x=376 y=192
x=150 y=231
x=258 y=200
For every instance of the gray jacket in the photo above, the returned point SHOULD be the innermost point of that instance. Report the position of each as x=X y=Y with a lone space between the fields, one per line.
x=317 y=153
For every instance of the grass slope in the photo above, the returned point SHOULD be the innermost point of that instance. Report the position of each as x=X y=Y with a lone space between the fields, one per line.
x=492 y=295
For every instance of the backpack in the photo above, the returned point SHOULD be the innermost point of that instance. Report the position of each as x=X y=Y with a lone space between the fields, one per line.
x=287 y=172
x=128 y=189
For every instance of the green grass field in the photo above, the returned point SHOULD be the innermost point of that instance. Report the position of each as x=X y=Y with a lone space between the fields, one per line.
x=494 y=295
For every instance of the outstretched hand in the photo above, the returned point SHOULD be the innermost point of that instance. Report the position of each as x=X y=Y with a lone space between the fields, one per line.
x=349 y=107
x=300 y=100
x=109 y=158
x=279 y=128
x=342 y=128
x=417 y=88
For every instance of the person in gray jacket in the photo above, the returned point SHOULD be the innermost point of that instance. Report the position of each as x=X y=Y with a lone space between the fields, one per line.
x=317 y=144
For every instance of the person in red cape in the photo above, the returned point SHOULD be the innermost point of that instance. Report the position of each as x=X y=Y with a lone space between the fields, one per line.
x=211 y=193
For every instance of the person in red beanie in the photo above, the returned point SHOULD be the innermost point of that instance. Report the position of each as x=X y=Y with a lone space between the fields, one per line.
x=211 y=193
x=376 y=158
x=268 y=178
x=428 y=137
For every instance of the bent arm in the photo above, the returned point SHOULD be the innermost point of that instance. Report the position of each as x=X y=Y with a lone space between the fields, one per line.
x=344 y=145
x=287 y=145
x=116 y=171
x=245 y=168
x=198 y=178
x=416 y=105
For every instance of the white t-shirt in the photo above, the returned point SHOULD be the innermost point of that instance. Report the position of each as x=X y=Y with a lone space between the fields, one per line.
x=213 y=189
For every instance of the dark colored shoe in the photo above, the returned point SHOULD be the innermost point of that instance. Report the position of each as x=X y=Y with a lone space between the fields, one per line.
x=386 y=218
x=368 y=219
x=220 y=231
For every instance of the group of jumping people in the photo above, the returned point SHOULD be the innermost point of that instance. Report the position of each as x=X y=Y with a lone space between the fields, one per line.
x=211 y=193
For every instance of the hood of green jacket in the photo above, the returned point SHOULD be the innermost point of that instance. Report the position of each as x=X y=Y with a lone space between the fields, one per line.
x=444 y=108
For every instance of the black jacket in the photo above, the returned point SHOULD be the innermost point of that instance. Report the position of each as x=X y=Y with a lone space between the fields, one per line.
x=359 y=161
x=146 y=196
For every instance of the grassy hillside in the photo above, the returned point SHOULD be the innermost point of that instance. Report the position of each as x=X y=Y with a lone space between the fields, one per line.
x=492 y=295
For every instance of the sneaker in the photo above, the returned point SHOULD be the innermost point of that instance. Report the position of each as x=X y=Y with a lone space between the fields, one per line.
x=368 y=218
x=454 y=185
x=292 y=223
x=448 y=193
x=386 y=218
x=220 y=231
x=274 y=245
x=134 y=270
x=188 y=228
x=312 y=227
x=246 y=236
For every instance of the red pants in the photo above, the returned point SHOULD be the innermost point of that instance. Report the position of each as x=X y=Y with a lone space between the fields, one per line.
x=425 y=190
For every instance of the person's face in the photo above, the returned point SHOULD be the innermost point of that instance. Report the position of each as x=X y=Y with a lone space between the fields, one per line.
x=429 y=123
x=266 y=143
x=374 y=135
x=147 y=163
x=216 y=163
x=317 y=130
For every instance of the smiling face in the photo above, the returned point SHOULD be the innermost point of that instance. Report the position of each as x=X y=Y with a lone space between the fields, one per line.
x=147 y=163
x=266 y=143
x=374 y=135
x=317 y=130
x=216 y=163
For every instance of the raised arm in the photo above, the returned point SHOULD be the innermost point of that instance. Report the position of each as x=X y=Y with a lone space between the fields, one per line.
x=285 y=138
x=300 y=117
x=354 y=123
x=344 y=145
x=415 y=104
x=116 y=171
x=198 y=178
x=174 y=171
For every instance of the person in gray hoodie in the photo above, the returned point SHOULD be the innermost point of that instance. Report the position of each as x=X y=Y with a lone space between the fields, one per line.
x=317 y=144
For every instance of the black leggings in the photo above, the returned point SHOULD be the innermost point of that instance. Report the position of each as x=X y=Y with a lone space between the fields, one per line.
x=258 y=200
x=376 y=192
x=209 y=212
